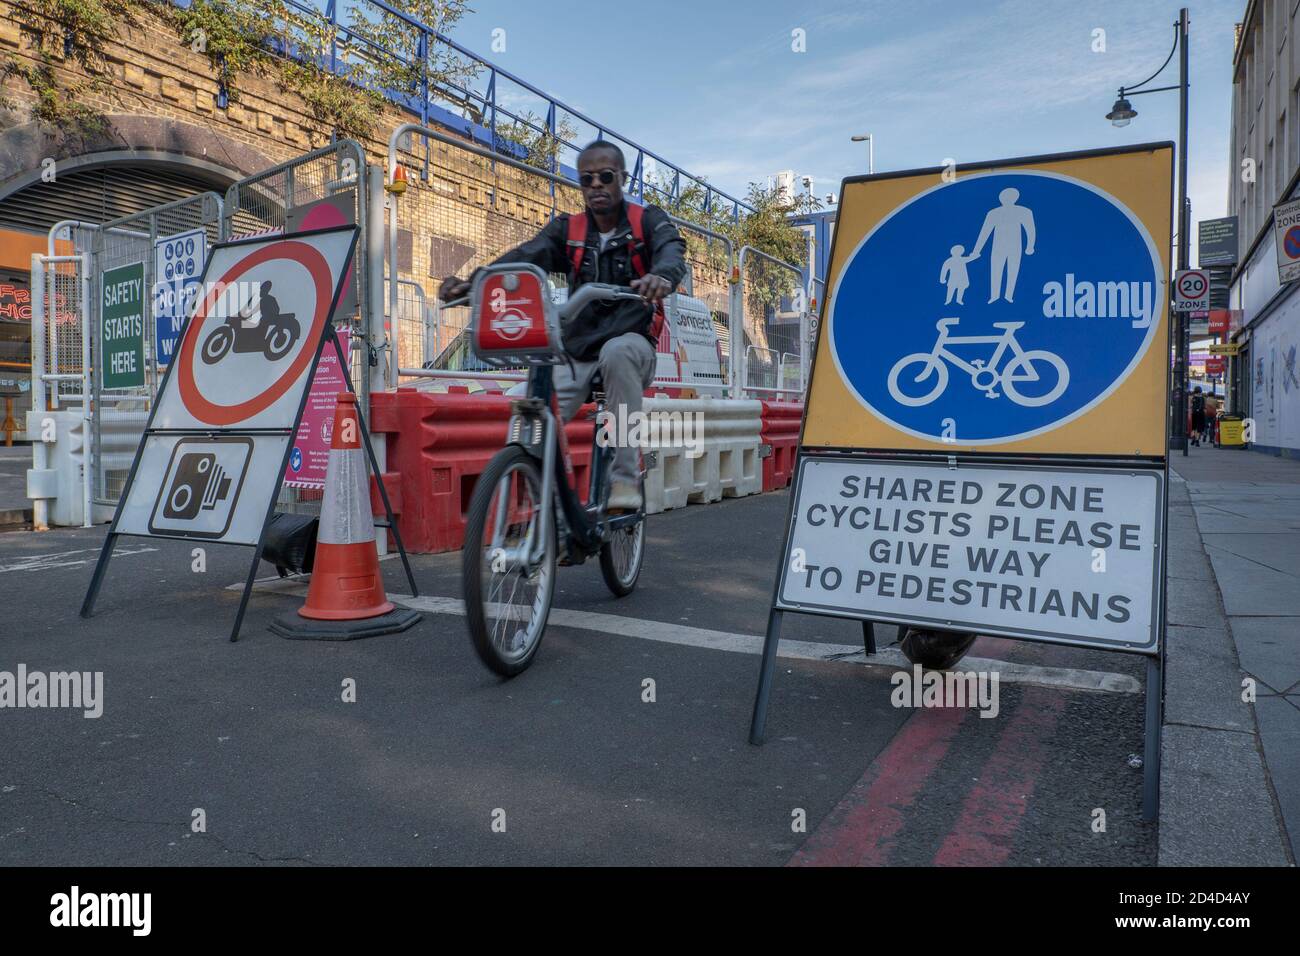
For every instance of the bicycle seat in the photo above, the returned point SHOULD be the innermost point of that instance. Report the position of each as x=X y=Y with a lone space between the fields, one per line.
x=1009 y=326
x=944 y=323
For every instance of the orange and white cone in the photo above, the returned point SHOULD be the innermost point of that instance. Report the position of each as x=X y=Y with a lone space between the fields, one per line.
x=346 y=596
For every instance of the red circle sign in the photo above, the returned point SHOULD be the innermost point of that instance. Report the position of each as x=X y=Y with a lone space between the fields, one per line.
x=1191 y=286
x=202 y=409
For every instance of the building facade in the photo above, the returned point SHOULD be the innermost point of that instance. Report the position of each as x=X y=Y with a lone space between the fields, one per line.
x=1265 y=160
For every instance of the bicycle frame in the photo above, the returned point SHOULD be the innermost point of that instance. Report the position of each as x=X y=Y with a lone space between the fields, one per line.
x=1007 y=338
x=587 y=526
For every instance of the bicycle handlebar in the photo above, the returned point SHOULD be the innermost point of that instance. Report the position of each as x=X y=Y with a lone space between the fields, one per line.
x=593 y=291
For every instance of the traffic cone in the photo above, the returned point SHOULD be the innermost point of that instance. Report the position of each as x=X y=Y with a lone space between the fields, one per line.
x=345 y=599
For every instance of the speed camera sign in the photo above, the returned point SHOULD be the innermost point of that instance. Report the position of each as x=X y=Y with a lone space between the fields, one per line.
x=1192 y=290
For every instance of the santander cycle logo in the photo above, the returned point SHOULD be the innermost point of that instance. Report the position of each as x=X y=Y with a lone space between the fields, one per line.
x=508 y=322
x=996 y=307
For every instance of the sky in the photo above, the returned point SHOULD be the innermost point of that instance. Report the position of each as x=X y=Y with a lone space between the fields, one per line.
x=717 y=88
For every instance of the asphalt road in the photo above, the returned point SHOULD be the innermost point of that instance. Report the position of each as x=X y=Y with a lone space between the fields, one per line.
x=583 y=771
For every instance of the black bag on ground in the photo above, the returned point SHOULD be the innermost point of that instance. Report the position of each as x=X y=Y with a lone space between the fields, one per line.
x=290 y=542
x=937 y=650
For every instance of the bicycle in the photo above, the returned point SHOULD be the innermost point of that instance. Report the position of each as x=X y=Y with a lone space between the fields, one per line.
x=933 y=361
x=526 y=503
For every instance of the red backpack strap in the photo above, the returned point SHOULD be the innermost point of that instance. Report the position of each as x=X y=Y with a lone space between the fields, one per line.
x=576 y=245
x=635 y=220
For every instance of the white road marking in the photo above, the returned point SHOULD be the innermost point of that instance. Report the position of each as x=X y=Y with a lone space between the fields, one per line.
x=66 y=559
x=665 y=633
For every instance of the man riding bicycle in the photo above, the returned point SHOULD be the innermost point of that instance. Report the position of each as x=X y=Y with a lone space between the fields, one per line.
x=619 y=245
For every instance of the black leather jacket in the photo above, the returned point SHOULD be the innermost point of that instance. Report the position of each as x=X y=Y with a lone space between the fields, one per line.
x=586 y=332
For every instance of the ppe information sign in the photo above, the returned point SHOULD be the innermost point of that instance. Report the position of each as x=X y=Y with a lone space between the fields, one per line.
x=177 y=273
x=1017 y=307
x=122 y=326
x=311 y=446
x=1063 y=555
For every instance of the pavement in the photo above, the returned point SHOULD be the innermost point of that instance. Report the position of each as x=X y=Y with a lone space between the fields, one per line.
x=1241 y=612
x=15 y=508
x=624 y=743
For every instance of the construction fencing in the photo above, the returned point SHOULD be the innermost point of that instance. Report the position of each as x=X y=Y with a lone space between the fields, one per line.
x=772 y=303
x=462 y=207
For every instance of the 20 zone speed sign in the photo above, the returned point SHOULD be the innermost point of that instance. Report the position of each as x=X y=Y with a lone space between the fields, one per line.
x=1192 y=290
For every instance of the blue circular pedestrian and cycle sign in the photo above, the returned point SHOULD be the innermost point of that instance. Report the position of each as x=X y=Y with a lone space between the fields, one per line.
x=996 y=307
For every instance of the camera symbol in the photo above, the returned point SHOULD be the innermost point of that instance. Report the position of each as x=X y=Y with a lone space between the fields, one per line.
x=199 y=485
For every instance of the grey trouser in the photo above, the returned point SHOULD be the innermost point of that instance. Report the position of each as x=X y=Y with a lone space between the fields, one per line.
x=627 y=365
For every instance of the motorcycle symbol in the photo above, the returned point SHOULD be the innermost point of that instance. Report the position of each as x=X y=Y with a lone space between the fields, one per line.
x=258 y=326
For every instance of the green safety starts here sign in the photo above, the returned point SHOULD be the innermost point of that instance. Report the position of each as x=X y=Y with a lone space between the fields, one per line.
x=122 y=321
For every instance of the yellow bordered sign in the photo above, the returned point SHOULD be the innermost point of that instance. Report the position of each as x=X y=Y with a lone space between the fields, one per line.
x=1016 y=307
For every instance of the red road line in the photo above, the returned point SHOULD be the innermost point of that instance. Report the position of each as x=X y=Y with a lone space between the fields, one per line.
x=992 y=810
x=862 y=828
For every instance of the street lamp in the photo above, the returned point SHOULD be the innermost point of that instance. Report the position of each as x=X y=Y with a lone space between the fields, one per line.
x=871 y=150
x=1121 y=114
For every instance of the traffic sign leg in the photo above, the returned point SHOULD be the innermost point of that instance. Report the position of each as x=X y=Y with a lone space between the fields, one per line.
x=1151 y=755
x=758 y=725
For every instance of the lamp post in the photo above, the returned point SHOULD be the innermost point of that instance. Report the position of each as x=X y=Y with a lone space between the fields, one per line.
x=871 y=149
x=1121 y=114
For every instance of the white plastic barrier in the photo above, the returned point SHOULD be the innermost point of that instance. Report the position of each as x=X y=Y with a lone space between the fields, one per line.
x=62 y=481
x=708 y=450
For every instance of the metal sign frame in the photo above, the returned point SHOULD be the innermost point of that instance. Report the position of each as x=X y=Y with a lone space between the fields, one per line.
x=326 y=335
x=1154 y=685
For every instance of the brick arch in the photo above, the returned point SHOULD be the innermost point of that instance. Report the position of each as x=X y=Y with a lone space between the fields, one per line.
x=131 y=138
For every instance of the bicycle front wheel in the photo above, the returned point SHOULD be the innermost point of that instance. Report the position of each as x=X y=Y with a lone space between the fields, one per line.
x=508 y=579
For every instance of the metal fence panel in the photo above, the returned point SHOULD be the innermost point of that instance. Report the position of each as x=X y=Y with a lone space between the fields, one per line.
x=119 y=414
x=464 y=207
x=774 y=321
x=63 y=313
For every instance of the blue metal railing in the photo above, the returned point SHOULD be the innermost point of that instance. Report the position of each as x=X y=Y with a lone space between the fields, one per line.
x=487 y=114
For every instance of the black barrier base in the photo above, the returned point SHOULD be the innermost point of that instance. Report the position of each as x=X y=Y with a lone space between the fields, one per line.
x=295 y=627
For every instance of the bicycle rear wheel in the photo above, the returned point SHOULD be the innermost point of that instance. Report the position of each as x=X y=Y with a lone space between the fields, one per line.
x=621 y=557
x=507 y=594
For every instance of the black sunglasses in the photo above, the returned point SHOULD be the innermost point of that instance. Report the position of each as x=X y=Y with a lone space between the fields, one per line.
x=606 y=177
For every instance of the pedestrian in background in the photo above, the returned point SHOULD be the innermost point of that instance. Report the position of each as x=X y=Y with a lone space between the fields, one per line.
x=1198 y=415
x=1211 y=414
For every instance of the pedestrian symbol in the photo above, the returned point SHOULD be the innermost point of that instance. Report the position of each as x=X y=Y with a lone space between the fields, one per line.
x=1054 y=305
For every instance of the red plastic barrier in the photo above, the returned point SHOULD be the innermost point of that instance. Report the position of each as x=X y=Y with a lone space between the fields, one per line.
x=438 y=445
x=780 y=431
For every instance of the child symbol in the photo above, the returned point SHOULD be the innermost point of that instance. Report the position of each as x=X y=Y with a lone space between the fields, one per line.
x=954 y=274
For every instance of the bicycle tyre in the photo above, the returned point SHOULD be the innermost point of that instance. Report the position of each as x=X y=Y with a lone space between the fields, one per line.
x=622 y=581
x=473 y=558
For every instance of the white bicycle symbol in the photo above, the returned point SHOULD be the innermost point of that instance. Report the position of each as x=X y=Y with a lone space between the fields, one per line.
x=984 y=376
